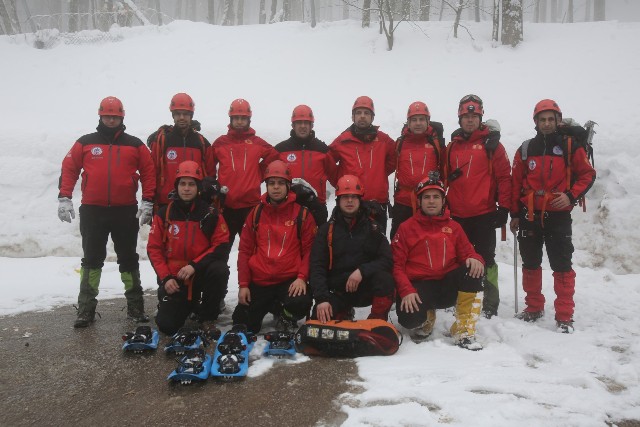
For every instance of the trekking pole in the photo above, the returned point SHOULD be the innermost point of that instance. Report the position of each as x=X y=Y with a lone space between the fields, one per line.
x=515 y=270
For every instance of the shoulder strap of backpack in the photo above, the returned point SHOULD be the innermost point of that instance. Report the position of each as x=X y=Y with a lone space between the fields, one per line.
x=167 y=223
x=330 y=243
x=203 y=146
x=302 y=216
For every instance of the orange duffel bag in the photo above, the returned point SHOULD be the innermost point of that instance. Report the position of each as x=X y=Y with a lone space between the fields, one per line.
x=348 y=338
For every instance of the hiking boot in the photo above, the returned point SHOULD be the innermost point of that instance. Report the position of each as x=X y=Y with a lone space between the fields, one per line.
x=286 y=323
x=137 y=315
x=564 y=327
x=84 y=319
x=469 y=343
x=209 y=326
x=424 y=331
x=530 y=316
x=488 y=313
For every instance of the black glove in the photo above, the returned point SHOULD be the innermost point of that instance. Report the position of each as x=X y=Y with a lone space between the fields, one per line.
x=501 y=217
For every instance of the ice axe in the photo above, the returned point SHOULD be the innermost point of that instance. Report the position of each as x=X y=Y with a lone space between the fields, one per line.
x=515 y=269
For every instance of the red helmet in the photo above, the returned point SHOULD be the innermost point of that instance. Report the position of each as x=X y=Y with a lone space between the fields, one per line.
x=240 y=107
x=546 y=105
x=111 y=106
x=418 y=108
x=349 y=184
x=302 y=112
x=182 y=101
x=277 y=169
x=470 y=104
x=189 y=169
x=431 y=182
x=364 y=102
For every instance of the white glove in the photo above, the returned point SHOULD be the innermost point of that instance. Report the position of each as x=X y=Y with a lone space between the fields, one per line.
x=65 y=209
x=145 y=212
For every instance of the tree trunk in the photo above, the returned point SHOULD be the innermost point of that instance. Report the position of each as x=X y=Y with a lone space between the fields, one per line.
x=441 y=9
x=536 y=11
x=240 y=13
x=554 y=11
x=262 y=13
x=345 y=11
x=456 y=23
x=477 y=10
x=6 y=21
x=227 y=14
x=543 y=10
x=587 y=10
x=159 y=11
x=511 y=22
x=286 y=10
x=425 y=6
x=312 y=11
x=10 y=6
x=599 y=7
x=178 y=13
x=274 y=10
x=570 y=12
x=211 y=12
x=495 y=31
x=366 y=13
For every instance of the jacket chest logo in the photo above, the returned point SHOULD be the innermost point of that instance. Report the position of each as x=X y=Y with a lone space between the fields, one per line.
x=172 y=155
x=291 y=157
x=289 y=222
x=477 y=147
x=174 y=229
x=248 y=141
x=557 y=150
x=532 y=164
x=447 y=230
x=96 y=151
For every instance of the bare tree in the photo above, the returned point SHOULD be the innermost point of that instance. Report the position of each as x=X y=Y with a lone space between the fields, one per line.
x=286 y=10
x=554 y=11
x=262 y=14
x=11 y=23
x=599 y=7
x=570 y=12
x=6 y=20
x=495 y=29
x=366 y=13
x=587 y=10
x=511 y=22
x=425 y=6
x=312 y=10
x=240 y=13
x=227 y=14
x=543 y=10
x=274 y=10
x=345 y=10
x=211 y=11
x=387 y=25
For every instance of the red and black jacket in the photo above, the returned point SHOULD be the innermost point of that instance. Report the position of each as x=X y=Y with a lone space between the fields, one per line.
x=272 y=252
x=241 y=157
x=169 y=147
x=484 y=179
x=186 y=233
x=370 y=157
x=309 y=159
x=427 y=248
x=546 y=170
x=112 y=165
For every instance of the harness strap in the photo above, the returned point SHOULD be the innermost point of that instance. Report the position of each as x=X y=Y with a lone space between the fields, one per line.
x=179 y=263
x=330 y=244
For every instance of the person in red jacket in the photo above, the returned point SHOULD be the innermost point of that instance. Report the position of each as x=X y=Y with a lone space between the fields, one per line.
x=188 y=249
x=478 y=176
x=364 y=151
x=551 y=174
x=112 y=164
x=308 y=158
x=273 y=256
x=240 y=157
x=419 y=150
x=435 y=266
x=172 y=145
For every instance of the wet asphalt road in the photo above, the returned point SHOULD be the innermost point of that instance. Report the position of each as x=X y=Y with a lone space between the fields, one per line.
x=53 y=374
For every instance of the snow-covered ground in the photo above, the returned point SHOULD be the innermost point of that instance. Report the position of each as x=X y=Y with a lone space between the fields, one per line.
x=527 y=374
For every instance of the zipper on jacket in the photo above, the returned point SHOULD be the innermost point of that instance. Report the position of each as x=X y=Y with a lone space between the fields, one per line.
x=268 y=243
x=411 y=162
x=371 y=159
x=283 y=240
x=109 y=176
x=444 y=254
x=244 y=166
x=424 y=162
x=302 y=169
x=469 y=165
x=358 y=155
x=233 y=163
x=186 y=237
x=429 y=253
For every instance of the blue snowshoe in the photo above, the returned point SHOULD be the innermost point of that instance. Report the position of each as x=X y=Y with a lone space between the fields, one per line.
x=195 y=365
x=231 y=357
x=188 y=338
x=143 y=339
x=279 y=344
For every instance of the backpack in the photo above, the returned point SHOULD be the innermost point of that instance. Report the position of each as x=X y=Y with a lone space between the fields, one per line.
x=348 y=338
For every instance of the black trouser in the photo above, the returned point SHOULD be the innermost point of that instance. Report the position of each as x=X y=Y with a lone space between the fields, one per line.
x=555 y=235
x=381 y=284
x=235 y=219
x=264 y=298
x=400 y=214
x=209 y=287
x=482 y=235
x=96 y=223
x=437 y=294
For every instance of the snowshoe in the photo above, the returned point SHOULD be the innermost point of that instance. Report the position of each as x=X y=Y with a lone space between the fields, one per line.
x=195 y=365
x=185 y=339
x=279 y=344
x=144 y=338
x=231 y=357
